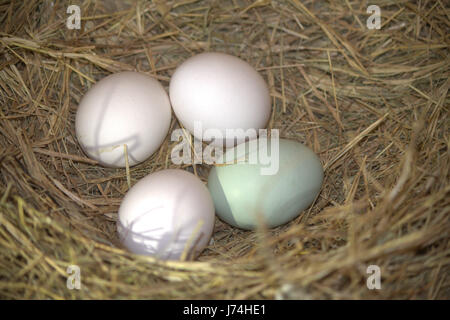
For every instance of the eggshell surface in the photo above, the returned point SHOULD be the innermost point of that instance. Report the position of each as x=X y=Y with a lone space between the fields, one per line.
x=220 y=92
x=124 y=108
x=166 y=214
x=242 y=195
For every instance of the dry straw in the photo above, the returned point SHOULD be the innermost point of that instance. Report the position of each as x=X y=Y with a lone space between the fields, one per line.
x=372 y=103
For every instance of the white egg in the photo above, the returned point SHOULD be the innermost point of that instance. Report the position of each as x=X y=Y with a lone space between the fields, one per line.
x=220 y=92
x=167 y=214
x=124 y=108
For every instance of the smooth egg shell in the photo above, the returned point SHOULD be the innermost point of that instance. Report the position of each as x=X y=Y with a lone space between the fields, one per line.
x=221 y=92
x=166 y=213
x=241 y=194
x=124 y=108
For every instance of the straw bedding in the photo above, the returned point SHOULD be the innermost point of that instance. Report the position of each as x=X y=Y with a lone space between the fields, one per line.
x=373 y=104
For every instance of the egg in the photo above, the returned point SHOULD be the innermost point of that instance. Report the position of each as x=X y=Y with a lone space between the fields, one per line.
x=271 y=181
x=212 y=92
x=126 y=108
x=168 y=214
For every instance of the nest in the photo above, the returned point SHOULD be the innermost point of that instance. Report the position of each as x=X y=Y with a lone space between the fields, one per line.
x=372 y=103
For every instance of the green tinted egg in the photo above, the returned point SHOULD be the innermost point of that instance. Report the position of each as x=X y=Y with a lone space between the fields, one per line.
x=249 y=190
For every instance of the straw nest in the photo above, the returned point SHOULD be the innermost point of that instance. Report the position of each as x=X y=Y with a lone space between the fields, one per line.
x=373 y=104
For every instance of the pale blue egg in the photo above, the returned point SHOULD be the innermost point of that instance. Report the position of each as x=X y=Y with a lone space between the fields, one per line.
x=276 y=191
